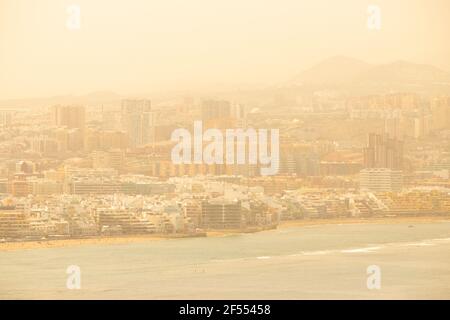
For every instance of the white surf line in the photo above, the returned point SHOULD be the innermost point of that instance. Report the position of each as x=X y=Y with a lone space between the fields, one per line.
x=316 y=253
x=419 y=244
x=426 y=242
x=422 y=243
x=361 y=250
x=441 y=239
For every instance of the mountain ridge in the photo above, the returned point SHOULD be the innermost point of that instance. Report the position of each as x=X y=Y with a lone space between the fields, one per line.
x=346 y=71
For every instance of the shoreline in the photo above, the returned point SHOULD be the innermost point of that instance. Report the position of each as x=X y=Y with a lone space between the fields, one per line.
x=376 y=220
x=61 y=243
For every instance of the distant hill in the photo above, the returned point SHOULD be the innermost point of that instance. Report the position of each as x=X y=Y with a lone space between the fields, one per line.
x=352 y=74
x=335 y=70
x=338 y=73
x=402 y=72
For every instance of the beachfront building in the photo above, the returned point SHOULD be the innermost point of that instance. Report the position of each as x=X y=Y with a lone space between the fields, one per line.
x=221 y=214
x=381 y=180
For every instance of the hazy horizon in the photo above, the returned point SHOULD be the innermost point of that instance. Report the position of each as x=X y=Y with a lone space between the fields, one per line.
x=145 y=46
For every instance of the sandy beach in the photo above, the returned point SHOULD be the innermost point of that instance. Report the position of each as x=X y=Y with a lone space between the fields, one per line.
x=26 y=245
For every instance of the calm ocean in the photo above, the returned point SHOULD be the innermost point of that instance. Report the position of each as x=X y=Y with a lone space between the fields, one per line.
x=325 y=261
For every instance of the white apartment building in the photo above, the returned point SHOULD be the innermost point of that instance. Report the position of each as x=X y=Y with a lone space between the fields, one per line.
x=381 y=180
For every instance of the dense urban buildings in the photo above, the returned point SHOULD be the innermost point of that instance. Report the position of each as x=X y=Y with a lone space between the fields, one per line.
x=89 y=171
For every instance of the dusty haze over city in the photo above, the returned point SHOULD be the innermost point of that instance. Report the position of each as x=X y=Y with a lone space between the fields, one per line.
x=142 y=47
x=233 y=149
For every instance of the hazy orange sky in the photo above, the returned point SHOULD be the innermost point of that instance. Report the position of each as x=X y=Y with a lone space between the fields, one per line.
x=135 y=46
